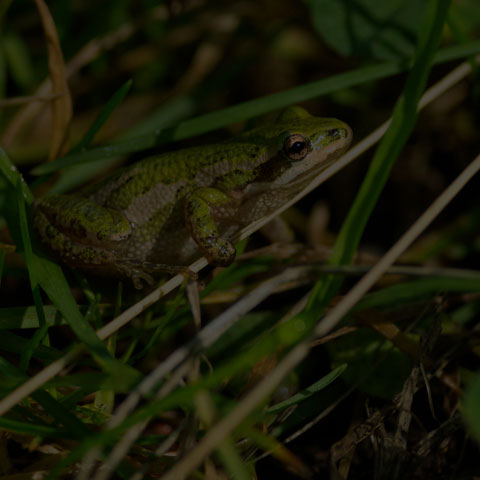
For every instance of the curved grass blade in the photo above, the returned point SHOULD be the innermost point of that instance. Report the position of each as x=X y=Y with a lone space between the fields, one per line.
x=308 y=392
x=246 y=110
x=403 y=122
x=471 y=407
x=12 y=175
x=50 y=278
x=39 y=335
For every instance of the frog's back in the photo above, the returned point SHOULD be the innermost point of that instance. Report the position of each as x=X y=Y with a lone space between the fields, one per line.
x=173 y=174
x=150 y=194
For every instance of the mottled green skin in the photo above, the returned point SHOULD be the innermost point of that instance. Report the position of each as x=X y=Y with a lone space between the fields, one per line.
x=162 y=212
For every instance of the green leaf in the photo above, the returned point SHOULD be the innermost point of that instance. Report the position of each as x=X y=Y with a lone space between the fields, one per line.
x=369 y=28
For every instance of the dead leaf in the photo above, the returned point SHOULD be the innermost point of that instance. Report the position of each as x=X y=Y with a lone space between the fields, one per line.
x=61 y=106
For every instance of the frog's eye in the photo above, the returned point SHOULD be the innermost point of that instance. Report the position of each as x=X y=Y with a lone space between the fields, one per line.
x=295 y=147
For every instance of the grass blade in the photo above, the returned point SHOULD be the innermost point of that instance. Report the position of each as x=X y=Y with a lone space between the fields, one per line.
x=50 y=278
x=308 y=392
x=12 y=175
x=471 y=407
x=403 y=121
x=28 y=255
x=246 y=110
x=103 y=116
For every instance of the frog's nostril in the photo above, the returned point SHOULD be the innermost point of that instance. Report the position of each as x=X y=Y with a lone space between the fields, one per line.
x=337 y=133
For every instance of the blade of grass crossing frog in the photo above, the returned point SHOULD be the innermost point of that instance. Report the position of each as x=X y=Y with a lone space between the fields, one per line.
x=39 y=335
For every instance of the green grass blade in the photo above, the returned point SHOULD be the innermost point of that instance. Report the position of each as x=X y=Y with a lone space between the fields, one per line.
x=10 y=342
x=403 y=293
x=103 y=116
x=50 y=278
x=461 y=36
x=2 y=263
x=249 y=109
x=471 y=407
x=183 y=396
x=26 y=317
x=403 y=121
x=308 y=392
x=13 y=176
x=53 y=282
x=18 y=426
x=51 y=406
x=28 y=255
x=62 y=415
x=232 y=461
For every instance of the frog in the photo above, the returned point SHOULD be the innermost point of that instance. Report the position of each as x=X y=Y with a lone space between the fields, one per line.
x=161 y=213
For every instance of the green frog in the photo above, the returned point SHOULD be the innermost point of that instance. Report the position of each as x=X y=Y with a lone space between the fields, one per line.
x=162 y=212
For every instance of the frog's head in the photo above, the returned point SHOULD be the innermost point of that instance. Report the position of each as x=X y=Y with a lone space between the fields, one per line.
x=303 y=145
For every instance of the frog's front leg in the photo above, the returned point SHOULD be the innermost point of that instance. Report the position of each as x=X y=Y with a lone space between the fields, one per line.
x=201 y=223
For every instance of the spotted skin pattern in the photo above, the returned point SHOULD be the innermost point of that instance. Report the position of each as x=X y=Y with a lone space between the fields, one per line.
x=162 y=212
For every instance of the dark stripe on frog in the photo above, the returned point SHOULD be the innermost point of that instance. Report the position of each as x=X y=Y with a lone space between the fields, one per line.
x=182 y=166
x=271 y=169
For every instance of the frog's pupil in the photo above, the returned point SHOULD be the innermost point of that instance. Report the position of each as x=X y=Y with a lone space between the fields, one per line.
x=297 y=147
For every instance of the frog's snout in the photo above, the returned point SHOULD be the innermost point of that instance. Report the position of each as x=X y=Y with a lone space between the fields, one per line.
x=337 y=133
x=342 y=136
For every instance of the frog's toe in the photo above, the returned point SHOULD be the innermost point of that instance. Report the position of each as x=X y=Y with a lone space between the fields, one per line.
x=223 y=255
x=136 y=274
x=138 y=277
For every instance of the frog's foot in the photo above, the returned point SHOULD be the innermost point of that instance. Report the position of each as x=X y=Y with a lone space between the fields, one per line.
x=140 y=272
x=220 y=252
